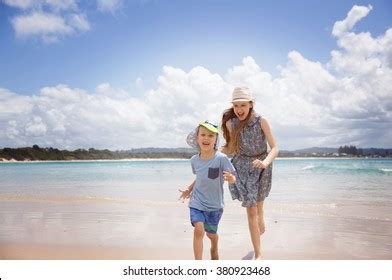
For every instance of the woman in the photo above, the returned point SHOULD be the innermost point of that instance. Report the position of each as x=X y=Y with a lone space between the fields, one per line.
x=247 y=134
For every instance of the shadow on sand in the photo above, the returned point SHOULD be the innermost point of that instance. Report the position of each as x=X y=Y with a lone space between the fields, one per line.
x=248 y=256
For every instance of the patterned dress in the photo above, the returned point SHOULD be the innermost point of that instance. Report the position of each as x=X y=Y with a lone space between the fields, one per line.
x=252 y=184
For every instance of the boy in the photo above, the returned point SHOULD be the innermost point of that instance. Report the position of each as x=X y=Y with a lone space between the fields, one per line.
x=206 y=204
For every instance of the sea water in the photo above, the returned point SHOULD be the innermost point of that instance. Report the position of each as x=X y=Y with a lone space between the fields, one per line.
x=294 y=180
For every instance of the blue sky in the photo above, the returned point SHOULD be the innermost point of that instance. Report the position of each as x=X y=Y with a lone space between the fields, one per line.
x=139 y=37
x=123 y=47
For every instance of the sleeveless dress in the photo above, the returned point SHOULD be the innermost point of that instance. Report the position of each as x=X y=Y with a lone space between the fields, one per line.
x=252 y=184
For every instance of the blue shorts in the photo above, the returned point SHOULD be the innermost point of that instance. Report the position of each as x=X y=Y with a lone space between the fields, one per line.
x=209 y=218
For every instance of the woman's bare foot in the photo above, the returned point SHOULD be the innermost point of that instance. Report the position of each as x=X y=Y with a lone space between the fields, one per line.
x=214 y=254
x=258 y=256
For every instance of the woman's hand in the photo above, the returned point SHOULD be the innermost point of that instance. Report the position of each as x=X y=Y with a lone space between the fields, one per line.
x=227 y=176
x=259 y=164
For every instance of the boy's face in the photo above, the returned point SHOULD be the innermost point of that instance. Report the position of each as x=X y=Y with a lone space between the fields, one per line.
x=242 y=109
x=206 y=139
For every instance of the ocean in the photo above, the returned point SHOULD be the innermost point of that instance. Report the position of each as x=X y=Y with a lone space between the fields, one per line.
x=294 y=180
x=317 y=208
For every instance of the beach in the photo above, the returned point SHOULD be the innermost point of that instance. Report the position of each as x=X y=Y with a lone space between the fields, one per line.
x=49 y=217
x=58 y=230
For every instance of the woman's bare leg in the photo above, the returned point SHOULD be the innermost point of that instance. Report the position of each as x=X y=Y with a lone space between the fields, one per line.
x=254 y=230
x=260 y=216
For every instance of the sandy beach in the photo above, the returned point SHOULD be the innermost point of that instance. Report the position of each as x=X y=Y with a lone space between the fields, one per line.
x=317 y=209
x=142 y=229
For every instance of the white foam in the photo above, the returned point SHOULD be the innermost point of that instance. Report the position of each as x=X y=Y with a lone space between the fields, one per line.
x=386 y=169
x=308 y=167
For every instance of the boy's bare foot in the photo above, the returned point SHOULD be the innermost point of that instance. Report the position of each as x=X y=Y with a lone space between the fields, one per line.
x=214 y=254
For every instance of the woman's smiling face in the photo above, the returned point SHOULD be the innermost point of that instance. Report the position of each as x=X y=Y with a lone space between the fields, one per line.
x=242 y=109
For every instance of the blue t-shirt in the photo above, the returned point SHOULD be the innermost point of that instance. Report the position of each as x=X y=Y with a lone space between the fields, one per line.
x=207 y=193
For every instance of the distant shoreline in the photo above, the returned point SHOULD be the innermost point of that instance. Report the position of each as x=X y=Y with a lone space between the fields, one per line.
x=94 y=160
x=36 y=153
x=184 y=159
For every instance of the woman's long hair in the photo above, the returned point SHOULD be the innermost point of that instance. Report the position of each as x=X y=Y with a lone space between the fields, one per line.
x=232 y=139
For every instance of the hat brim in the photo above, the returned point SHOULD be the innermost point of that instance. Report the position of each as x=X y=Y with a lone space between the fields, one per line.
x=210 y=127
x=242 y=100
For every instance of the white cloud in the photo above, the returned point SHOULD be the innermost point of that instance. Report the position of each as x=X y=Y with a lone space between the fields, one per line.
x=54 y=5
x=364 y=65
x=110 y=6
x=42 y=24
x=52 y=20
x=346 y=101
x=353 y=16
x=79 y=22
x=58 y=5
x=12 y=104
x=35 y=127
x=22 y=4
x=11 y=132
x=115 y=93
x=103 y=88
x=64 y=117
x=50 y=27
x=49 y=20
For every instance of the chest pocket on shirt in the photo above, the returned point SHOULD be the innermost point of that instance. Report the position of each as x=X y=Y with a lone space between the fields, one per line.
x=213 y=173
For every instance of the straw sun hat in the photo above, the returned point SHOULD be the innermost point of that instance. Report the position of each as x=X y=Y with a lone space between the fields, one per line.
x=242 y=94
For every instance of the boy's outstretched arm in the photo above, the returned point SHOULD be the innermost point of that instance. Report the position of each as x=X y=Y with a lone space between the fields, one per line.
x=229 y=177
x=185 y=194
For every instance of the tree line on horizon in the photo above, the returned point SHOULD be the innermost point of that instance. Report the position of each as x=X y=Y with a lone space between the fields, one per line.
x=350 y=150
x=37 y=153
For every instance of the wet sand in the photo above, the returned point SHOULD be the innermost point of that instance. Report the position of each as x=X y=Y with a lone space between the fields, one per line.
x=99 y=229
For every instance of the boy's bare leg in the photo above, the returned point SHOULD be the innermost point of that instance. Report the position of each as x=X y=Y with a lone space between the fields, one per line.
x=260 y=216
x=214 y=245
x=198 y=235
